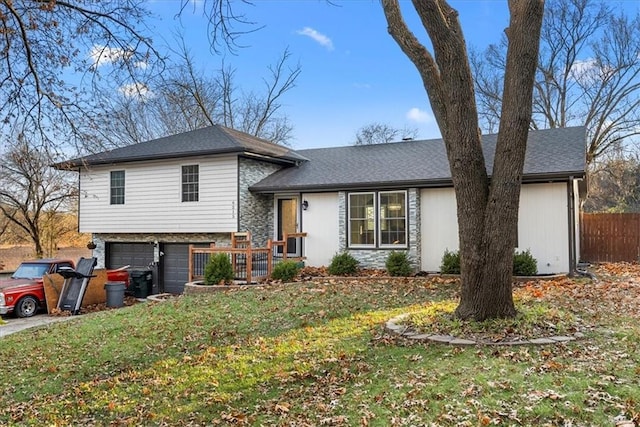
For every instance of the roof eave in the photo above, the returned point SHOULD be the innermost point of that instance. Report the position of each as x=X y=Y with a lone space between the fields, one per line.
x=77 y=163
x=384 y=185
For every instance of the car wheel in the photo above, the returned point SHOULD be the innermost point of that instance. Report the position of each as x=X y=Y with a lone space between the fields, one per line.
x=26 y=307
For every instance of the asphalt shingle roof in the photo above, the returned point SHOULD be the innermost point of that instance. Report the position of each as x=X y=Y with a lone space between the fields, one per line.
x=210 y=140
x=551 y=154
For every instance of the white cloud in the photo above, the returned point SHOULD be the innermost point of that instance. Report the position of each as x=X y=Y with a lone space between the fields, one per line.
x=588 y=71
x=141 y=64
x=103 y=55
x=139 y=90
x=417 y=115
x=318 y=37
x=581 y=69
x=362 y=86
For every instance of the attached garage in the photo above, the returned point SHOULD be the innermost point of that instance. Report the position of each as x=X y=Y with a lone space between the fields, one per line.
x=172 y=271
x=137 y=255
x=175 y=266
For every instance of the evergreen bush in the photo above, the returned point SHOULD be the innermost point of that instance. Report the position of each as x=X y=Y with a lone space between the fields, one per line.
x=343 y=264
x=524 y=264
x=218 y=270
x=285 y=271
x=450 y=262
x=398 y=264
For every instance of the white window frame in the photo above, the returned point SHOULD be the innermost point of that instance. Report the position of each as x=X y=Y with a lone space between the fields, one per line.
x=111 y=188
x=377 y=221
x=182 y=184
x=375 y=226
x=380 y=219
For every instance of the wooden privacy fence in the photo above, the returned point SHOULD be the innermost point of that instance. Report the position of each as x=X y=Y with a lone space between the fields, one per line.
x=249 y=264
x=610 y=237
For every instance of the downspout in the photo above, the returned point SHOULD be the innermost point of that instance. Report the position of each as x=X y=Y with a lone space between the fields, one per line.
x=572 y=228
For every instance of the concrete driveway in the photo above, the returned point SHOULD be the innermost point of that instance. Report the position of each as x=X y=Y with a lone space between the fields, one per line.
x=14 y=324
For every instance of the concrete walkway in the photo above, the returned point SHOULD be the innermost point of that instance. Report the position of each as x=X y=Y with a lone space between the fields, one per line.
x=14 y=324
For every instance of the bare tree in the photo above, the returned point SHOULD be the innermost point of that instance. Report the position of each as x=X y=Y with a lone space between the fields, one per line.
x=187 y=98
x=487 y=213
x=381 y=133
x=588 y=74
x=614 y=183
x=32 y=194
x=42 y=41
x=223 y=19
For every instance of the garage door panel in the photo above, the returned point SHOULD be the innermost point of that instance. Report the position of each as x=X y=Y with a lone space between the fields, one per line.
x=136 y=255
x=175 y=263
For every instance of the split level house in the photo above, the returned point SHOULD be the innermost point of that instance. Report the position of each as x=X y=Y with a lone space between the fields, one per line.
x=144 y=204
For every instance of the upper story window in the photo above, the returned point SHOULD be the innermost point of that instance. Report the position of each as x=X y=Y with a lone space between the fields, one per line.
x=190 y=183
x=377 y=219
x=117 y=188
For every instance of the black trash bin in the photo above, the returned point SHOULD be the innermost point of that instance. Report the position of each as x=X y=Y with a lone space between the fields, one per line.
x=140 y=283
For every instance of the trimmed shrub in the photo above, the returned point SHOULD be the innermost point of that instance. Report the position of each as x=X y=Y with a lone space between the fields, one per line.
x=218 y=270
x=450 y=262
x=343 y=264
x=285 y=271
x=398 y=264
x=524 y=264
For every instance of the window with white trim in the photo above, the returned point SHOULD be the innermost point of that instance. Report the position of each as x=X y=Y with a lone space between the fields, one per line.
x=377 y=219
x=393 y=218
x=362 y=230
x=116 y=188
x=190 y=183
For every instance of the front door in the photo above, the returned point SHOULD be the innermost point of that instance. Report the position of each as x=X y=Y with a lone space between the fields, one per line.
x=287 y=223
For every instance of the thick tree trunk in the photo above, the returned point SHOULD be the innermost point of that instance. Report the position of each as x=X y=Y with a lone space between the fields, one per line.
x=487 y=209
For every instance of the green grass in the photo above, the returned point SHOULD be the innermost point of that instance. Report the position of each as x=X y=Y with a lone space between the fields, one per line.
x=534 y=319
x=307 y=354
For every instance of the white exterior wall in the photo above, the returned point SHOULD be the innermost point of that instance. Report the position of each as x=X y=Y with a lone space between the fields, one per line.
x=153 y=198
x=320 y=222
x=439 y=226
x=543 y=226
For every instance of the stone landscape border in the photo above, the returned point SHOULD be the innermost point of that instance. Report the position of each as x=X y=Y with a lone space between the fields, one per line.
x=395 y=326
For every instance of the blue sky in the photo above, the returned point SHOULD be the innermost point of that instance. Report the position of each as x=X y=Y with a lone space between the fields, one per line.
x=353 y=73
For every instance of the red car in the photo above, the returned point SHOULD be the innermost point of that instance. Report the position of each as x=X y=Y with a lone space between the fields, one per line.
x=23 y=293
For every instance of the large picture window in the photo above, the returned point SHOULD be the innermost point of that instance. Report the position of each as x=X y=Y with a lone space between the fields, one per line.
x=190 y=183
x=117 y=188
x=377 y=219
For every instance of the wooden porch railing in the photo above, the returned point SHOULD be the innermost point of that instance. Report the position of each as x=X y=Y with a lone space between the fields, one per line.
x=249 y=264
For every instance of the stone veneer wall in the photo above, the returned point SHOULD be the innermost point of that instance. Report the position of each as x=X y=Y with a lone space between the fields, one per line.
x=255 y=210
x=220 y=239
x=376 y=258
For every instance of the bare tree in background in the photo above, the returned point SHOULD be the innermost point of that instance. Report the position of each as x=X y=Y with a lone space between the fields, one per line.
x=43 y=41
x=187 y=98
x=614 y=183
x=32 y=194
x=381 y=133
x=588 y=74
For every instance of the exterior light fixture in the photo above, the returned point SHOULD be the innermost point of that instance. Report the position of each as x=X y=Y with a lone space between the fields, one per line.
x=305 y=205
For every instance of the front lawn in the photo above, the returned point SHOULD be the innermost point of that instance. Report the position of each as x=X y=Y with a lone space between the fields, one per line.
x=317 y=354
